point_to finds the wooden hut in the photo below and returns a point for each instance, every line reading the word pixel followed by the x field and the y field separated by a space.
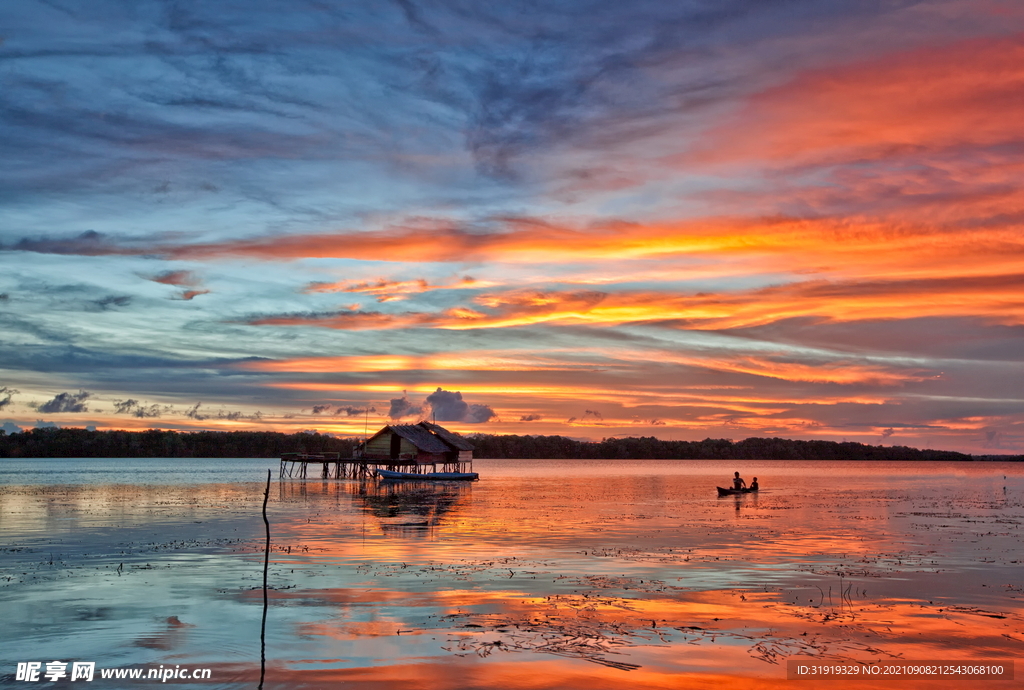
pixel 461 449
pixel 417 445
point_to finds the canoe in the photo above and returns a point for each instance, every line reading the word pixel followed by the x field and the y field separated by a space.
pixel 427 476
pixel 734 492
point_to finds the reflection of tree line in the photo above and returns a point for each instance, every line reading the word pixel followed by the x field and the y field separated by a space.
pixel 156 443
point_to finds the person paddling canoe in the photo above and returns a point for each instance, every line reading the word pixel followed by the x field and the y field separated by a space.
pixel 738 483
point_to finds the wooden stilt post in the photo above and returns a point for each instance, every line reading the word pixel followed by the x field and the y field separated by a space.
pixel 266 564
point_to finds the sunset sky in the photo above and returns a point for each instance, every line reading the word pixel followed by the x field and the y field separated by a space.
pixel 714 218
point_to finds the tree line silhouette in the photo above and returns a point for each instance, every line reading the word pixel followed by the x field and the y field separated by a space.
pixel 649 447
pixel 157 443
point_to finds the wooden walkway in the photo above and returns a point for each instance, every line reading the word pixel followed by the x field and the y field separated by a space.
pixel 331 466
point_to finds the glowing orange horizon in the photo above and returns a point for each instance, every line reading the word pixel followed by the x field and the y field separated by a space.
pixel 840 371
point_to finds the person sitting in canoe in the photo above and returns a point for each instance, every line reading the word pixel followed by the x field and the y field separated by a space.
pixel 753 484
pixel 738 483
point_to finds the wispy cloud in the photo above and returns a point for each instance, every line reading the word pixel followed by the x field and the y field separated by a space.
pixel 860 247
pixel 141 410
pixel 350 411
pixel 383 290
pixel 995 298
pixel 588 418
pixel 393 290
pixel 88 243
pixel 180 278
pixel 112 301
pixel 194 413
pixel 466 360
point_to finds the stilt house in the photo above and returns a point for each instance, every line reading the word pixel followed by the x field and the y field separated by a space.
pixel 417 444
pixel 416 448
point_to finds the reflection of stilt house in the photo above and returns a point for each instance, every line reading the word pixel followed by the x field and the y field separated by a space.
pixel 418 448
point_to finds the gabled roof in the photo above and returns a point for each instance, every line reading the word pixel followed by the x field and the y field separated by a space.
pixel 419 437
pixel 451 438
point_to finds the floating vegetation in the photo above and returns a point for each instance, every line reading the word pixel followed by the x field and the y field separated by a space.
pixel 580 637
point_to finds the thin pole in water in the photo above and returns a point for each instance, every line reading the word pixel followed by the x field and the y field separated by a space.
pixel 266 564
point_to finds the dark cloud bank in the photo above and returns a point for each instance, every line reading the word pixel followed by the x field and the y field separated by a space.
pixel 66 402
pixel 442 406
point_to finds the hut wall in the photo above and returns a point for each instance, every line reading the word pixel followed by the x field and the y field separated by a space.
pixel 380 447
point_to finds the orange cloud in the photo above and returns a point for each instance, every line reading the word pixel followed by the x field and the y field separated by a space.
pixel 997 299
pixel 178 278
pixel 859 247
pixel 925 100
pixel 383 290
pixel 753 402
pixel 834 371
pixel 854 246
pixel 518 240
pixel 818 370
pixel 453 361
pixel 394 290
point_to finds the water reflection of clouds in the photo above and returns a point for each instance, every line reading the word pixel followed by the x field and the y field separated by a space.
pixel 524 577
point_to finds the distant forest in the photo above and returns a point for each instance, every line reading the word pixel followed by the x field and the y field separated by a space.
pixel 83 443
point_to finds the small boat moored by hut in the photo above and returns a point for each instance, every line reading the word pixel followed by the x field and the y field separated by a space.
pixel 389 475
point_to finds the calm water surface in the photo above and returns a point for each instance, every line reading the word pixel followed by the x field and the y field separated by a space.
pixel 544 574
